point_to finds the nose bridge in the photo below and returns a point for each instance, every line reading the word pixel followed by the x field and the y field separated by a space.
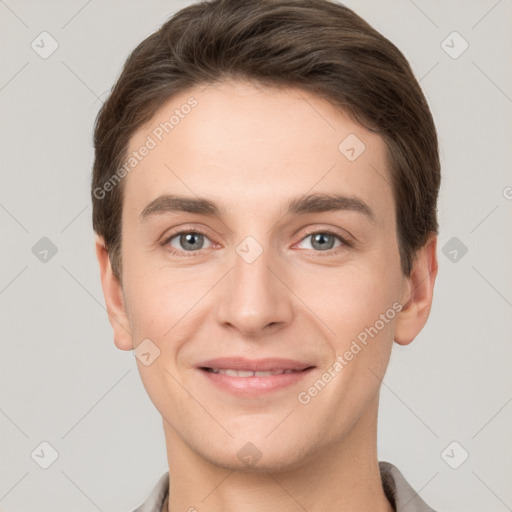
pixel 253 297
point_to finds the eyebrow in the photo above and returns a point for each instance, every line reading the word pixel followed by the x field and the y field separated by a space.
pixel 313 203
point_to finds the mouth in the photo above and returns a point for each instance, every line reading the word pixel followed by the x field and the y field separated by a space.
pixel 246 378
pixel 248 373
pixel 241 364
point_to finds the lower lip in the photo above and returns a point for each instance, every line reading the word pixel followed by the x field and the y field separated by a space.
pixel 251 386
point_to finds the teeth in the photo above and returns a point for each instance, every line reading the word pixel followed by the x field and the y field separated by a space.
pixel 246 373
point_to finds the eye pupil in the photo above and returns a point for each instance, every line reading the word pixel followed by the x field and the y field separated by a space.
pixel 192 240
pixel 319 241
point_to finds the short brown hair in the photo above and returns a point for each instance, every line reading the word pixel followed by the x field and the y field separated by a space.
pixel 318 45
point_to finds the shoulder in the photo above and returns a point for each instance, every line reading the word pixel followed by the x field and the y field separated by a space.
pixel 399 492
pixel 157 497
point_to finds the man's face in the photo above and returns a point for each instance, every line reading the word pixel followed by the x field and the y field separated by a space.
pixel 260 281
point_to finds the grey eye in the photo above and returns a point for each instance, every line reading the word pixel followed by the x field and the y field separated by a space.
pixel 322 241
pixel 188 241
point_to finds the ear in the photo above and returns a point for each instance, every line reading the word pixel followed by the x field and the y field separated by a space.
pixel 417 294
pixel 114 299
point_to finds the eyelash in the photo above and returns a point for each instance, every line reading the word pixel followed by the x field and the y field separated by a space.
pixel 330 252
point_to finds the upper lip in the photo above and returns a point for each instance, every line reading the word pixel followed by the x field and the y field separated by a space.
pixel 254 365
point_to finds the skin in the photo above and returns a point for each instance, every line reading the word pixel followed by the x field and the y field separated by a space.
pixel 252 149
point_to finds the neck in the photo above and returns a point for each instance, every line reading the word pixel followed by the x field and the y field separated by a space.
pixel 343 476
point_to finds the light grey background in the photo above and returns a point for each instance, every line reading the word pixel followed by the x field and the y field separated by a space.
pixel 63 381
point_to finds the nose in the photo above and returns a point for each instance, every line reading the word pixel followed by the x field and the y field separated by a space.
pixel 254 298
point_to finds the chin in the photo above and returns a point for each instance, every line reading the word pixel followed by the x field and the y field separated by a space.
pixel 260 455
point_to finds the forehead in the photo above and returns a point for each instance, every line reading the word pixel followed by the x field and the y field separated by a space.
pixel 251 143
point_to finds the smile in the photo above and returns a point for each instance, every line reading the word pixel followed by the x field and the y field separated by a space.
pixel 254 383
pixel 248 373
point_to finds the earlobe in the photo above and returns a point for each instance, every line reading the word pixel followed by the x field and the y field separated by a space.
pixel 114 300
pixel 418 294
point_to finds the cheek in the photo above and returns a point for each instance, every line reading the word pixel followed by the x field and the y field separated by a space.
pixel 164 303
pixel 360 307
pixel 157 308
pixel 349 299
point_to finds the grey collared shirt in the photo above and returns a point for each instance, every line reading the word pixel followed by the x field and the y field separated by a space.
pixel 398 491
